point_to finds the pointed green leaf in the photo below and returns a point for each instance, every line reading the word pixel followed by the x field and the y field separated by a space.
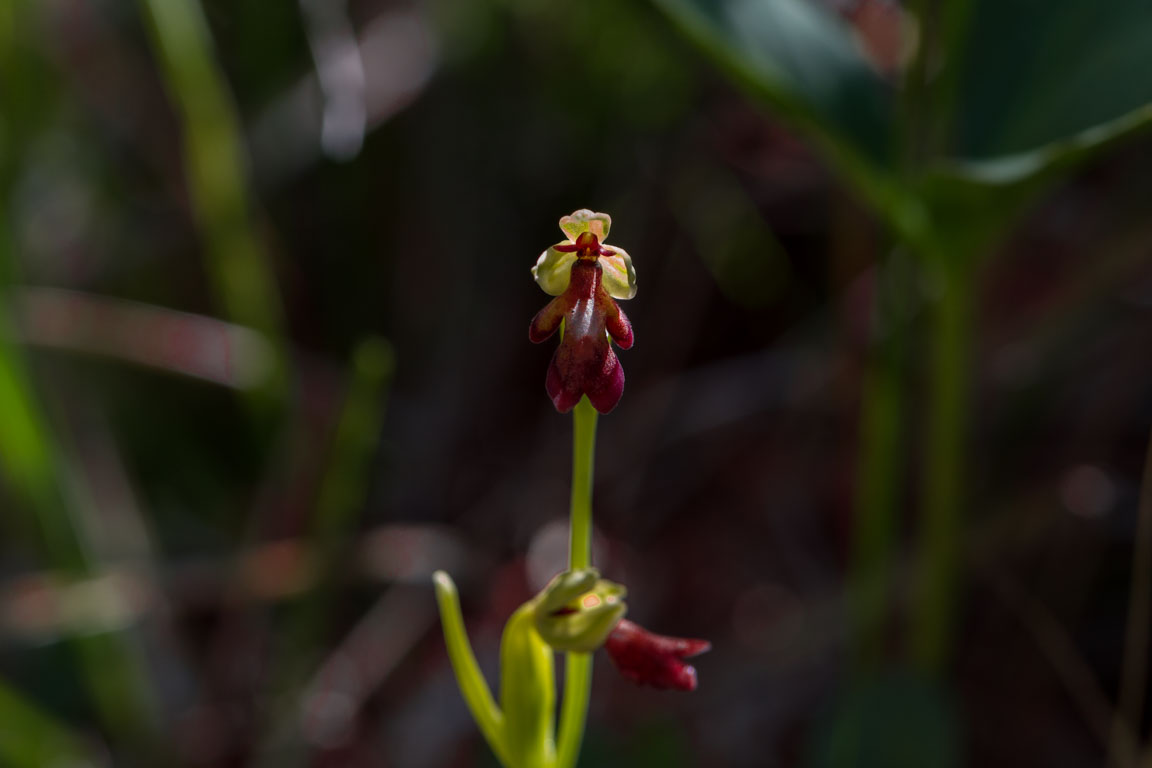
pixel 471 681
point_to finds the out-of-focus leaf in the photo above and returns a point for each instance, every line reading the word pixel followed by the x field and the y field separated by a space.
pixel 974 200
pixel 804 63
pixel 31 738
pixel 1046 85
pixel 1036 72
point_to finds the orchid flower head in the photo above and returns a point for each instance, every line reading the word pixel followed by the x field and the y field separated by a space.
pixel 586 278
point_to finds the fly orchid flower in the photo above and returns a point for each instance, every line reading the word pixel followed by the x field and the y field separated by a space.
pixel 586 278
pixel 577 612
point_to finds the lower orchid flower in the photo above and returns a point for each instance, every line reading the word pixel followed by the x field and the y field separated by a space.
pixel 577 612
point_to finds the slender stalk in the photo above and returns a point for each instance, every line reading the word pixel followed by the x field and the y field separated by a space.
pixel 929 105
pixel 942 499
pixel 578 666
pixel 583 456
pixel 574 708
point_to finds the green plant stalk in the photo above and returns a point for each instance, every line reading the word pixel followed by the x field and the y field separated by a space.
pixel 578 666
pixel 947 255
pixel 943 500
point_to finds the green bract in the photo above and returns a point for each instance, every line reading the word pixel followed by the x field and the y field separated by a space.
pixel 554 267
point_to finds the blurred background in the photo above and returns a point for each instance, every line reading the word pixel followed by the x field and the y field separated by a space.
pixel 264 367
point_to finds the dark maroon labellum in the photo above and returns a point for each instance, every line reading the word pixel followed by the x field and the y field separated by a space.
pixel 584 363
pixel 650 659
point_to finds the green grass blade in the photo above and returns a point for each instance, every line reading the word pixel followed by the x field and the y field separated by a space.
pixel 215 163
pixel 468 675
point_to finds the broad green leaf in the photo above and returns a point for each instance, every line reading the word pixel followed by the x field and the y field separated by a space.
pixel 1045 85
pixel 1036 72
pixel 973 201
pixel 807 65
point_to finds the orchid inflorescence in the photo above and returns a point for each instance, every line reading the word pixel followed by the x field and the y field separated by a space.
pixel 578 611
pixel 586 278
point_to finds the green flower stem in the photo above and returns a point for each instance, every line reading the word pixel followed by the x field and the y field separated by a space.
pixel 574 709
pixel 578 666
pixel 942 500
pixel 472 684
pixel 583 456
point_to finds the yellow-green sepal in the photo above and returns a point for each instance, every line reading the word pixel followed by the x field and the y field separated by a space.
pixel 618 276
pixel 553 270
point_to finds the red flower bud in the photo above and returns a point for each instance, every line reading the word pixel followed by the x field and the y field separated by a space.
pixel 657 660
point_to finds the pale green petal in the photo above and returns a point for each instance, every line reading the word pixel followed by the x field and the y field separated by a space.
pixel 553 269
pixel 619 274
pixel 585 220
